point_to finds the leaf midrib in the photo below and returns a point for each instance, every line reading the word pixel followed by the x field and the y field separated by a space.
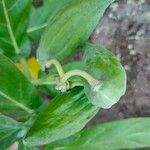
pixel 16 103
pixel 5 127
pixel 36 28
pixel 12 37
pixel 7 135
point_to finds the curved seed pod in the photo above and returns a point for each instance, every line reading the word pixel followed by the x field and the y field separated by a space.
pixel 104 67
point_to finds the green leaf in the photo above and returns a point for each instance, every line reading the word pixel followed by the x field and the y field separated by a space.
pixel 17 94
pixel 65 115
pixel 104 66
pixel 73 65
pixel 10 131
pixel 21 146
pixel 44 13
pixel 14 17
pixel 125 134
pixel 70 28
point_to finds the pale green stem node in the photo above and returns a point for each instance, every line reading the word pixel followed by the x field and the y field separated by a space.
pixel 58 66
pixel 92 81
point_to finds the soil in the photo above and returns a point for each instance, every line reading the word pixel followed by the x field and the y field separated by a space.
pixel 125 30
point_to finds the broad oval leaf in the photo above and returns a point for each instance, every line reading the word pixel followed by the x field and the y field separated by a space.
pixel 104 67
pixel 69 28
pixel 14 17
pixel 17 94
pixel 10 131
pixel 65 115
pixel 124 134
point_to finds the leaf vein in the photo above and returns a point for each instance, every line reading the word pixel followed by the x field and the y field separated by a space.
pixel 16 103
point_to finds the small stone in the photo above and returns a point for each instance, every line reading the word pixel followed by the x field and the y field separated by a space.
pixel 114 6
pixel 132 52
pixel 137 37
pixel 134 13
pixel 148 14
pixel 128 68
pixel 130 2
pixel 97 31
pixel 130 46
pixel 141 32
pixel 119 56
pixel 141 2
pixel 148 55
pixel 111 15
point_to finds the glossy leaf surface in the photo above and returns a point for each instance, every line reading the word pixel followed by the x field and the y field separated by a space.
pixel 104 67
pixel 65 115
pixel 14 17
pixel 40 16
pixel 10 131
pixel 125 134
pixel 69 28
pixel 17 94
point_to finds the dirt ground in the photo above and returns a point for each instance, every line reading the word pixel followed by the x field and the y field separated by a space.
pixel 125 30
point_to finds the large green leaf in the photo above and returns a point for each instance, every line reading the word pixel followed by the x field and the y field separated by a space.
pixel 125 134
pixel 104 66
pixel 65 115
pixel 14 16
pixel 69 28
pixel 40 16
pixel 10 131
pixel 17 94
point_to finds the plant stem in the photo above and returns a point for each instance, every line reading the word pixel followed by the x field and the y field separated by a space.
pixel 25 67
pixel 81 73
pixel 50 80
pixel 40 82
pixel 61 82
pixel 58 66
